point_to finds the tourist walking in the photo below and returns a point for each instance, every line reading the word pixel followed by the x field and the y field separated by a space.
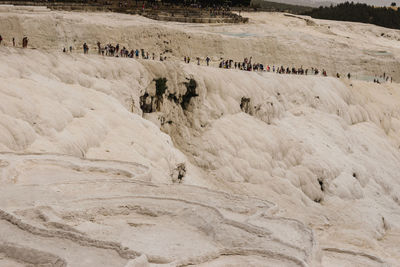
pixel 25 42
pixel 99 47
pixel 85 48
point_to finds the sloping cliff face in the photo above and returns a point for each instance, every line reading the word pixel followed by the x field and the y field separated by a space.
pixel 323 152
pixel 115 161
pixel 313 145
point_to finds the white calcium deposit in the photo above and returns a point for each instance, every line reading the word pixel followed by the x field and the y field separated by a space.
pixel 309 175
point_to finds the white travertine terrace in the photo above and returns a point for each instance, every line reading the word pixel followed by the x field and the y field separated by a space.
pixel 310 178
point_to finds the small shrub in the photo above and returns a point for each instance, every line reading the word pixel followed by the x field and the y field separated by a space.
pixel 191 86
pixel 161 87
pixel 146 107
pixel 321 184
pixel 173 97
pixel 178 173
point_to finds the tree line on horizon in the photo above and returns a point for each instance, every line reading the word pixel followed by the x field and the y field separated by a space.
pixel 270 6
pixel 382 16
pixel 204 3
pixel 209 2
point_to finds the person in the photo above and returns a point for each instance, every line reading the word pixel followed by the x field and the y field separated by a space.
pixel 337 75
pixel 198 61
pixel 25 42
pixel 64 50
pixel 1 39
pixel 85 48
pixel 70 49
pixel 208 61
pixel 349 75
pixel 99 47
pixel 13 40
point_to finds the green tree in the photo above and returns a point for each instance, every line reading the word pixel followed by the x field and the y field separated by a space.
pixel 381 16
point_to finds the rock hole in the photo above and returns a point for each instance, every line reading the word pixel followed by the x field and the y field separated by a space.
pixel 317 200
pixel 321 184
pixel 245 104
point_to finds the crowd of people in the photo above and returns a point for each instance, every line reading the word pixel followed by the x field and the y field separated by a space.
pixel 383 78
pixel 246 65
pixel 24 41
pixel 116 51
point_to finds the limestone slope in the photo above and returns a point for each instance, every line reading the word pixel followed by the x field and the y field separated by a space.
pixel 323 150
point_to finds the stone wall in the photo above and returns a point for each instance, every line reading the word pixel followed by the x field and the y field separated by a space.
pixel 165 14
